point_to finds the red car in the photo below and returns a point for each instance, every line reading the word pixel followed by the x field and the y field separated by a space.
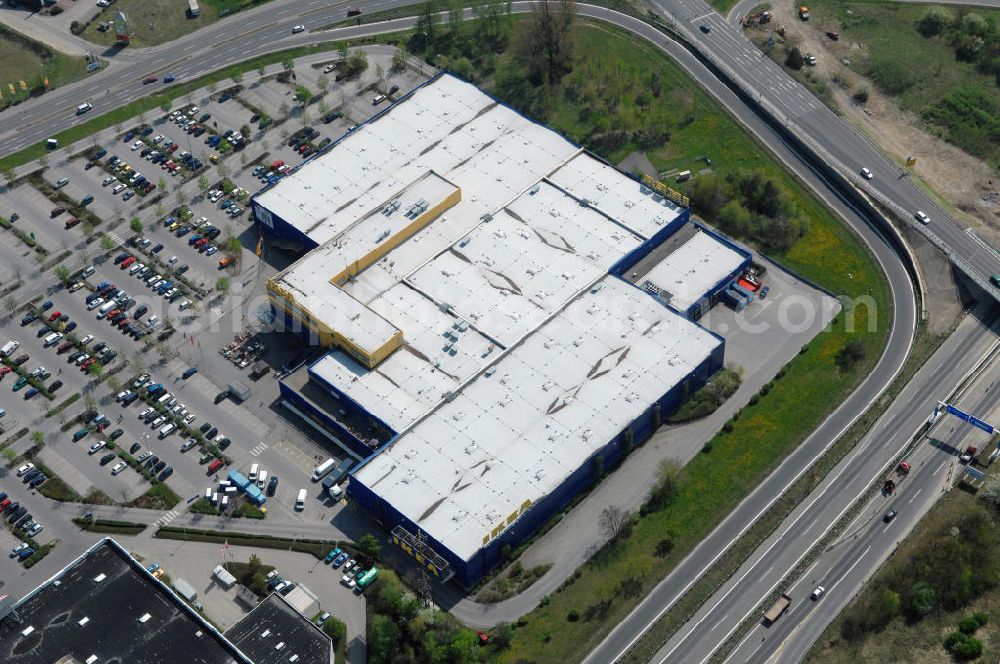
pixel 57 211
pixel 86 363
pixel 149 79
pixel 277 164
pixel 125 263
pixel 64 346
pixel 111 314
pixel 123 322
pixel 72 222
pixel 55 315
pixel 201 243
pixel 303 148
pixel 172 149
pixel 4 371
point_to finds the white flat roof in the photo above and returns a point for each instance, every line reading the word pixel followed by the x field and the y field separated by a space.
pixel 439 352
pixel 617 195
pixel 524 425
pixel 693 269
pixel 448 126
pixel 511 272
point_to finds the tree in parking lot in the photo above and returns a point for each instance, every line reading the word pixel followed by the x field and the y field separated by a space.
pixel 323 81
pixel 203 183
pixel 159 210
pixel 222 169
pixel 368 547
pixel 398 60
pixel 245 131
pixel 89 402
pixel 213 87
pixel 135 225
pixel 62 273
pixel 162 185
pixel 262 70
pixel 10 304
pixel 305 118
pixel 237 77
pixel 234 246
pixel 303 94
pixel 222 284
pixel 38 438
pixel 283 109
pixel 379 74
pixel 107 242
pixel 114 383
pixel 288 64
pixel 323 107
pixel 96 370
pixel 181 198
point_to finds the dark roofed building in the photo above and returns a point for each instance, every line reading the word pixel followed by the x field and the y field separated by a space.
pixel 274 622
pixel 104 607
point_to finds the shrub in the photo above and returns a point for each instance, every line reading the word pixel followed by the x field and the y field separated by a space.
pixel 981 617
pixel 923 598
pixel 55 11
pixel 934 21
pixel 861 96
pixel 795 60
pixel 968 626
pixel 573 615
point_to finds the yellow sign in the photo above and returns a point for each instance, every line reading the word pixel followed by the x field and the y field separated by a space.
pixel 10 86
pixel 665 191
pixel 24 86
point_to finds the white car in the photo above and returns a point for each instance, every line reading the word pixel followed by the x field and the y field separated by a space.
pixel 922 218
pixel 24 469
pixel 140 381
pixel 144 412
pixel 108 180
pixel 137 145
pixel 866 174
pixel 103 3
pixel 120 187
pixel 816 594
pixel 298 28
pixel 97 447
pixel 348 581
pixel 189 419
pixel 172 260
pixel 118 467
pixel 145 454
pixel 157 138
pixel 35 529
pixel 86 340
pixel 214 198
pixel 96 303
pixel 188 444
pixel 18 549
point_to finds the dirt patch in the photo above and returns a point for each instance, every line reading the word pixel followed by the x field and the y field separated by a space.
pixel 962 180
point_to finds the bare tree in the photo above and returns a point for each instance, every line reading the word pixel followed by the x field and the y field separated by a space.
pixel 544 45
pixel 615 522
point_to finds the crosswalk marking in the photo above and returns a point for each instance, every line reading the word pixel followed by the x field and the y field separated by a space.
pixel 259 449
pixel 166 518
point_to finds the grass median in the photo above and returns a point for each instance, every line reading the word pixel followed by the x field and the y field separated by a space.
pixel 318 548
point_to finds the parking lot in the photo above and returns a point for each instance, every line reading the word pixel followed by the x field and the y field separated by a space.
pixel 261 130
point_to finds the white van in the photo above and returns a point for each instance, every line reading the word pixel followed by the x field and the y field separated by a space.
pixel 254 470
pixel 53 339
pixel 262 479
pixel 167 429
pixel 300 502
pixel 87 271
pixel 83 108
pixel 105 308
pixel 9 348
pixel 323 469
pixel 165 397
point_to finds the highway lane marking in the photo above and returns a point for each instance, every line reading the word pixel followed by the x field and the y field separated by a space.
pixel 721 620
pixel 938 470
pixel 887 526
pixel 851 568
pixel 703 16
pixel 914 496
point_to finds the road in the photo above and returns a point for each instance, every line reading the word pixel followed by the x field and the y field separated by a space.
pixel 838 141
pixel 203 52
pixel 845 566
pixel 808 523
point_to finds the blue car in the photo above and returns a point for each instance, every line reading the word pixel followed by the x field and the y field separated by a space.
pixel 339 560
pixel 147 131
pixel 155 387
pixel 169 220
pixel 71 326
pixel 24 554
pixel 169 78
pixel 46 305
pixel 128 137
pixel 190 372
pixel 193 239
pixel 30 393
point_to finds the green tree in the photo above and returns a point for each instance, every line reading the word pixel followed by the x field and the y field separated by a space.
pixel 543 44
pixel 107 242
pixel 10 304
pixel 369 546
pixel 96 370
pixel 62 273
pixel 336 630
pixel 923 598
pixel 8 173
pixel 161 185
pixel 165 106
pixel 795 60
pixel 89 402
pixel 234 246
pixel 113 383
pixel 288 64
pixel 384 640
pixel 425 30
pixel 323 81
pixel 303 94
pixel 262 70
pixel 398 60
pixel 222 284
pixel 38 438
pixel 203 183
pixel 135 225
pixel 245 131
pixel 852 352
pixel 237 78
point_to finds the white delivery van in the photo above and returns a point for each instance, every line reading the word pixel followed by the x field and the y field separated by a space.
pixel 167 429
pixel 53 339
pixel 83 108
pixel 164 398
pixel 105 308
pixel 262 479
pixel 300 501
pixel 254 469
pixel 9 348
pixel 323 469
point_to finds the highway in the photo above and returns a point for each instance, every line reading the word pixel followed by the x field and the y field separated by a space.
pixel 840 142
pixel 852 478
pixel 845 566
pixel 267 29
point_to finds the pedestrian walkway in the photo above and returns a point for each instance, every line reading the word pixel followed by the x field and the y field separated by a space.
pixel 166 518
pixel 258 449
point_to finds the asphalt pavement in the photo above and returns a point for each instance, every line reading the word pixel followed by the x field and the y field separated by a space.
pixel 852 478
